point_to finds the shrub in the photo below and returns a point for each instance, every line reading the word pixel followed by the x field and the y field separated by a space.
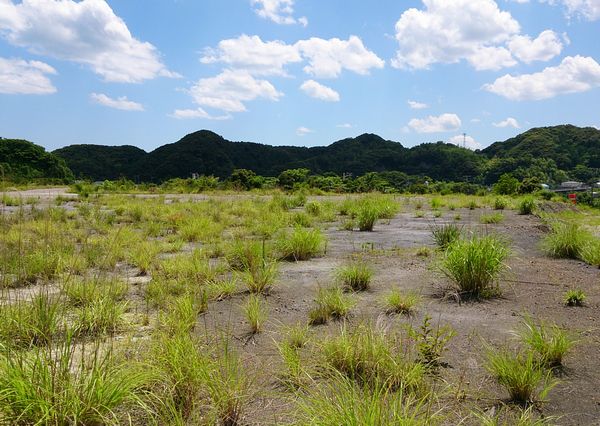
pixel 549 342
pixel 520 374
pixel 397 302
pixel 302 244
pixel 256 312
pixel 445 235
pixel 574 298
pixel 355 276
pixel 526 205
pixel 431 342
pixel 474 264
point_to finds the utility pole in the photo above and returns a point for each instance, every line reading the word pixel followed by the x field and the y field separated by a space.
pixel 464 140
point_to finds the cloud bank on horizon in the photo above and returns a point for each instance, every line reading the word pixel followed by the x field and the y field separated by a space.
pixel 290 71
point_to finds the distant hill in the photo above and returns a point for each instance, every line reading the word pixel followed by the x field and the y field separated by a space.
pixel 207 153
pixel 21 160
pixel 100 162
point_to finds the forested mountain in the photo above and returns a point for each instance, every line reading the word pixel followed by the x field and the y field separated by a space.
pixel 100 162
pixel 21 160
pixel 547 154
pixel 205 152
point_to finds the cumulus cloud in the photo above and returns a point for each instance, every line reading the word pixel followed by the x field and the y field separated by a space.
pixel 545 47
pixel 21 77
pixel 86 32
pixel 278 11
pixel 509 122
pixel 185 114
pixel 229 90
pixel 319 91
pixel 574 74
pixel 475 31
pixel 434 124
pixel 465 141
pixel 303 131
pixel 586 9
pixel 254 55
pixel 417 105
pixel 327 58
pixel 121 103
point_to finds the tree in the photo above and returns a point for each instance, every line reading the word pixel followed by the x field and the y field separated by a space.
pixel 507 185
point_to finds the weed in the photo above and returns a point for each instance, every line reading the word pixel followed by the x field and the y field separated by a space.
pixel 296 336
pixel 256 312
pixel 500 203
pixel 549 342
pixel 355 276
pixel 474 264
pixel 101 316
pixel 367 216
pixel 330 303
pixel 431 342
pixel 397 302
pixel 261 278
pixel 222 289
pixel 566 240
pixel 574 297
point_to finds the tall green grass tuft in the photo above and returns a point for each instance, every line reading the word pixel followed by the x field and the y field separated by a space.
pixel 301 244
pixel 331 303
pixel 256 311
pixel 474 265
pixel 566 240
pixel 520 373
pixel 355 276
pixel 526 206
pixel 398 302
pixel 549 342
pixel 446 234
pixel 54 387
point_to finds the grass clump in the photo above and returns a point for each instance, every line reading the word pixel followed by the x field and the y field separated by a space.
pixel 500 203
pixel 520 374
pixel 355 276
pixel 445 235
pixel 256 311
pixel 296 336
pixel 526 206
pixel 474 265
pixel 261 278
pixel 51 387
pixel 398 302
pixel 491 218
pixel 366 217
pixel 102 316
pixel 574 297
pixel 549 342
pixel 566 240
pixel 301 244
pixel 331 303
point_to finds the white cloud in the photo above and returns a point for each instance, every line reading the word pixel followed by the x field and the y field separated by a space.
pixel 319 91
pixel 18 76
pixel 121 103
pixel 303 131
pixel 344 126
pixel 86 32
pixel 434 124
pixel 509 122
pixel 417 105
pixel 229 90
pixel 184 114
pixel 327 58
pixel 491 58
pixel 574 74
pixel 545 47
pixel 252 54
pixel 449 31
pixel 586 9
pixel 466 142
pixel 278 11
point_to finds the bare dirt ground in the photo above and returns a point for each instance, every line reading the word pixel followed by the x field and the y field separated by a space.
pixel 534 285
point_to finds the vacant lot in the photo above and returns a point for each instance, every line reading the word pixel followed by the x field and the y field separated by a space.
pixel 285 309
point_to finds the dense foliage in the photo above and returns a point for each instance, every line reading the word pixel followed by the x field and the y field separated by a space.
pixel 23 161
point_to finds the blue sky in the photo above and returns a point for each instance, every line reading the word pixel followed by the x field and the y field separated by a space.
pixel 295 72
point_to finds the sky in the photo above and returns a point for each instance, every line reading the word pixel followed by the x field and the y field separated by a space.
pixel 295 72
